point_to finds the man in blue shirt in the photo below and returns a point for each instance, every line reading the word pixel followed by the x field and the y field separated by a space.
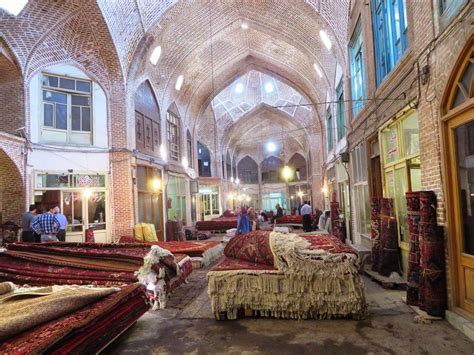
pixel 306 212
pixel 62 224
pixel 47 225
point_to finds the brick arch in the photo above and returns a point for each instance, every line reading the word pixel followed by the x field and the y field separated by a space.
pixel 12 193
pixel 12 93
pixel 298 163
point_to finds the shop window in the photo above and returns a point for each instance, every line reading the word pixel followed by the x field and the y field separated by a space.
pixel 361 189
pixel 67 114
pixel 96 210
pixel 401 165
pixel 329 130
pixel 248 171
pixel 172 121
pixel 147 120
pixel 390 34
pixel 341 129
pixel 177 198
pixel 149 199
pixel 357 70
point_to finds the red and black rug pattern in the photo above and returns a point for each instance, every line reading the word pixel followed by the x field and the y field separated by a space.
pixel 413 275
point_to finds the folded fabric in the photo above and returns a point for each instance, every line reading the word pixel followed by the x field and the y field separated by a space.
pixel 145 232
pixel 22 313
pixel 6 287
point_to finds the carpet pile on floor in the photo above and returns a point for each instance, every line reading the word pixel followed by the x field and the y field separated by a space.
pixel 287 276
pixel 66 319
pixel 217 224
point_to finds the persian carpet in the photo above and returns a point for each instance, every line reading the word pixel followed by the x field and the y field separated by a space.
pixel 413 276
pixel 375 231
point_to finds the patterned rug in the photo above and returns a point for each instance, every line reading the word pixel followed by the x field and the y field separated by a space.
pixel 413 275
pixel 87 330
pixel 375 231
pixel 288 276
pixel 217 224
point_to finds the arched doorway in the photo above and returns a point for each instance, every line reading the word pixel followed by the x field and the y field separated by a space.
pixel 12 200
pixel 458 121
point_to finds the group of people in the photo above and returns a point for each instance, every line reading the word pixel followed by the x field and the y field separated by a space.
pixel 49 226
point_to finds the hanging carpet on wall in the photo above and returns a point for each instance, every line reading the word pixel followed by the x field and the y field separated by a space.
pixel 432 290
pixel 375 231
pixel 413 277
pixel 389 256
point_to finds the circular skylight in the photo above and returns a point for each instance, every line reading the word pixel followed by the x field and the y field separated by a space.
pixel 155 55
pixel 244 26
pixel 179 82
pixel 271 147
pixel 239 88
pixel 268 87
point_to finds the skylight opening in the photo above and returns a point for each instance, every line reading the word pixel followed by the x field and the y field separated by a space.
pixel 179 83
pixel 244 26
pixel 318 69
pixel 268 88
pixel 271 147
pixel 239 88
pixel 13 7
pixel 325 38
pixel 155 55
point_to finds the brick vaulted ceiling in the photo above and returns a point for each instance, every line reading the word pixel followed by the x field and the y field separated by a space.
pixel 282 38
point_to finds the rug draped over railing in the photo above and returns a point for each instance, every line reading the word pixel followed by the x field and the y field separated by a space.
pixel 413 276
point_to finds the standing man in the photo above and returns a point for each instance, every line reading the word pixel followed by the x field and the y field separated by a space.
pixel 278 214
pixel 28 234
pixel 306 211
pixel 47 225
pixel 62 224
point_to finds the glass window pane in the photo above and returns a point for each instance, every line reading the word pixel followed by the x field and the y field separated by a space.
pixel 86 119
pixel 465 170
pixel 52 96
pixel 148 218
pixel 411 134
pixel 83 86
pixel 467 77
pixel 390 139
pixel 68 84
pixel 50 81
pixel 141 207
pixel 78 218
pixel 80 100
pixel 48 115
pixel 96 209
pixel 156 214
pixel 401 188
pixel 141 178
pixel 76 118
pixel 61 116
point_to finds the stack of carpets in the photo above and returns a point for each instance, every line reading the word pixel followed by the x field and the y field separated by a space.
pixel 201 252
pixel 375 231
pixel 64 320
pixel 432 289
pixel 337 224
pixel 292 219
pixel 95 264
pixel 217 224
pixel 413 275
pixel 389 258
pixel 175 230
pixel 287 276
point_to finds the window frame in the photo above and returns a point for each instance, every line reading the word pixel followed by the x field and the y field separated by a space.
pixel 173 138
pixel 329 130
pixel 385 35
pixel 189 142
pixel 341 117
pixel 356 55
pixel 69 107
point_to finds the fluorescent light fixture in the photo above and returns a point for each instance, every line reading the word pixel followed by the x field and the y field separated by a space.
pixel 13 7
pixel 271 147
pixel 163 153
pixel 155 55
pixel 244 25
pixel 325 38
pixel 239 88
pixel 318 69
pixel 268 88
pixel 179 83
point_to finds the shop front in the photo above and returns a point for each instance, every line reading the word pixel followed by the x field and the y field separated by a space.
pixel 209 201
pixel 401 170
pixel 82 198
pixel 176 194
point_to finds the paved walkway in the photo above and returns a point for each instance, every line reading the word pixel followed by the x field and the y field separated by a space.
pixel 187 326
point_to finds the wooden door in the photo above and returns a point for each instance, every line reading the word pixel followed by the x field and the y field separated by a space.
pixel 460 190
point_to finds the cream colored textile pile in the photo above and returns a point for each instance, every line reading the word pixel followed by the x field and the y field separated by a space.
pixel 306 284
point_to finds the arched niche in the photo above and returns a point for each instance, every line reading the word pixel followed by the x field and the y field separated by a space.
pixel 204 160
pixel 271 170
pixel 298 164
pixel 248 171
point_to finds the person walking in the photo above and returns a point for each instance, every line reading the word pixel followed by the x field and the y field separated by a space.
pixel 62 224
pixel 28 234
pixel 306 211
pixel 243 222
pixel 47 225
